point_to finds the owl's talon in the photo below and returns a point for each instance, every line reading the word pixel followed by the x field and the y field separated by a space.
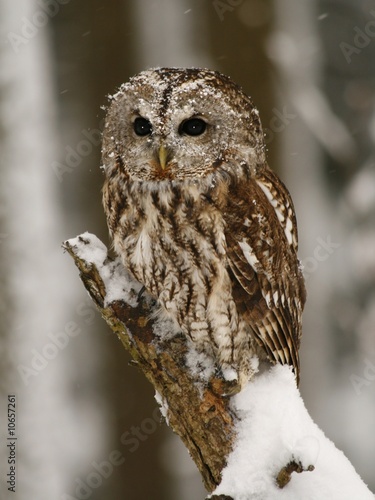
pixel 140 293
pixel 224 388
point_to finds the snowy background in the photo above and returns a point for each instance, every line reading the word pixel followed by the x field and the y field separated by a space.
pixel 87 422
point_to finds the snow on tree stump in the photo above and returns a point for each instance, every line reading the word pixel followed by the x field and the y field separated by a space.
pixel 258 444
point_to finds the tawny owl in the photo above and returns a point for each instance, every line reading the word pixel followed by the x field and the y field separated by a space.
pixel 200 220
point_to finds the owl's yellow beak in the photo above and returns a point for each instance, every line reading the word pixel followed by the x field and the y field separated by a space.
pixel 163 154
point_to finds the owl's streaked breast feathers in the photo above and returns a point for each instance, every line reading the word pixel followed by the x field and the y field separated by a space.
pixel 200 220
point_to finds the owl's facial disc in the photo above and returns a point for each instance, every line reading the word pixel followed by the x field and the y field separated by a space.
pixel 180 125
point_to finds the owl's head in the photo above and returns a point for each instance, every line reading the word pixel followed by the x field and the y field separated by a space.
pixel 178 124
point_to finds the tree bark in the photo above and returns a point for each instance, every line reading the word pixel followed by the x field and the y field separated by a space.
pixel 199 415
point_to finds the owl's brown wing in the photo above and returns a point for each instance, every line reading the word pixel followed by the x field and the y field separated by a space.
pixel 268 286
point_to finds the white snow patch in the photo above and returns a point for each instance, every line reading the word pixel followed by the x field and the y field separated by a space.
pixel 118 283
pixel 163 405
pixel 164 326
pixel 275 428
pixel 229 374
pixel 88 247
pixel 200 364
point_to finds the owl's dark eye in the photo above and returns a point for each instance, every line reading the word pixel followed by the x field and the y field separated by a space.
pixel 142 126
pixel 194 126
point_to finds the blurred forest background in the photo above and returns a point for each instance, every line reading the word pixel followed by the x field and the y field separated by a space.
pixel 87 423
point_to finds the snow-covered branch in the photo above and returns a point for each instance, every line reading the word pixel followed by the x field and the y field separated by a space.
pixel 259 444
pixel 201 417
